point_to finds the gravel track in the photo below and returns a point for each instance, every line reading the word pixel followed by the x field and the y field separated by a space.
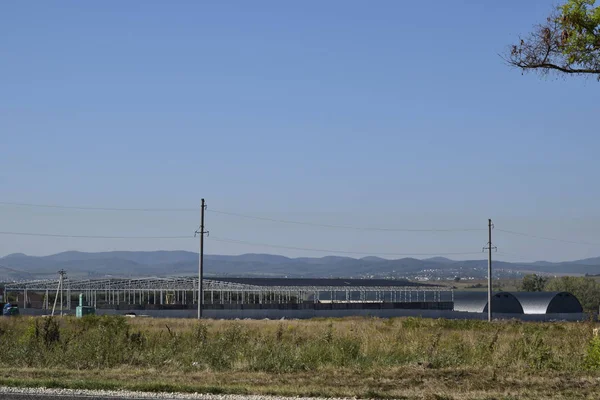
pixel 10 393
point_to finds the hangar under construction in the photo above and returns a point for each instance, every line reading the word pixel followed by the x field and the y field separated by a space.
pixel 227 297
pixel 182 292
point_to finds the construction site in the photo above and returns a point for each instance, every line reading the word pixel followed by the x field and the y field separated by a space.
pixel 220 293
pixel 274 298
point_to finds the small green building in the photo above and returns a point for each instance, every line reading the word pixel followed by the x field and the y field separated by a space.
pixel 82 310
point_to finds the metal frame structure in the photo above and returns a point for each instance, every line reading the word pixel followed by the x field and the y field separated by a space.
pixel 184 291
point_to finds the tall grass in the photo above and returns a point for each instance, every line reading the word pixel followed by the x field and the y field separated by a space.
pixel 289 346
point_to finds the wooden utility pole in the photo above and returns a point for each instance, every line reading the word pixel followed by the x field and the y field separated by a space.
pixel 201 232
pixel 489 248
pixel 490 270
pixel 59 289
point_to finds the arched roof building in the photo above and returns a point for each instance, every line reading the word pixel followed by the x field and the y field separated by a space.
pixel 502 302
pixel 548 302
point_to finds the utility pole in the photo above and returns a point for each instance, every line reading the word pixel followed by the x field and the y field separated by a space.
pixel 489 248
pixel 62 273
pixel 201 232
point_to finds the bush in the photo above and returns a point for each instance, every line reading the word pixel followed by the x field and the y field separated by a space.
pixel 586 289
pixel 592 359
pixel 533 283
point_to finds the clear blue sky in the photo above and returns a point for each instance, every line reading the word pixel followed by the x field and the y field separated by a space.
pixel 388 114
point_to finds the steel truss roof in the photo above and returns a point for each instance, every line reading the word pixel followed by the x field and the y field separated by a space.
pixel 190 284
pixel 175 283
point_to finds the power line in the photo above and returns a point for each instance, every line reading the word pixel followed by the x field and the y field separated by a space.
pixel 34 273
pixel 517 256
pixel 92 236
pixel 216 239
pixel 15 270
pixel 95 208
pixel 358 228
pixel 547 238
pixel 239 215
pixel 224 240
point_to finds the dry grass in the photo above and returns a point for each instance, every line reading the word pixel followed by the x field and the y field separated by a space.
pixel 364 357
pixel 398 382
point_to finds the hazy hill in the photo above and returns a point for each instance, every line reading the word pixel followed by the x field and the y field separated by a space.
pixel 373 259
pixel 588 261
pixel 440 260
pixel 164 263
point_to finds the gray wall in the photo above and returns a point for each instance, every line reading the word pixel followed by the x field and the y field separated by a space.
pixel 304 314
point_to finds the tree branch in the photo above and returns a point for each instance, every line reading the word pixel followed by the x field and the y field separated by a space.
pixel 559 68
pixel 557 46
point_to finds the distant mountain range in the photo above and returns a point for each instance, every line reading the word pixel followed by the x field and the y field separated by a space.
pixel 166 263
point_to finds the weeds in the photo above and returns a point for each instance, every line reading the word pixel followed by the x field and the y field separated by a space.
pixel 592 359
pixel 290 346
pixel 535 352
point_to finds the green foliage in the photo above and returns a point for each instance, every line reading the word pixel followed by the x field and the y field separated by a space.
pixel 533 283
pixel 569 42
pixel 592 359
pixel 586 289
pixel 580 39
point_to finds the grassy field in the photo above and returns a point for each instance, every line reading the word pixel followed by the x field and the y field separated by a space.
pixel 363 357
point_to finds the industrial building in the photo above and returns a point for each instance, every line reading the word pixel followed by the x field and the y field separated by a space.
pixel 220 293
pixel 477 302
pixel 230 297
pixel 548 302
pixel 518 302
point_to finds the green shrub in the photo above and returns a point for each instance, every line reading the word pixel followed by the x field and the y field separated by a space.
pixel 592 358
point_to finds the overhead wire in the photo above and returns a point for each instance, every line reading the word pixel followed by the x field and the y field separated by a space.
pixel 259 218
pixel 227 240
pixel 246 216
pixel 32 273
pixel 92 236
pixel 547 238
pixel 15 270
pixel 517 256
pixel 358 228
pixel 217 239
pixel 95 208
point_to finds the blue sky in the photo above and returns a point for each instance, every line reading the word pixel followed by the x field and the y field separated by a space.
pixel 389 114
